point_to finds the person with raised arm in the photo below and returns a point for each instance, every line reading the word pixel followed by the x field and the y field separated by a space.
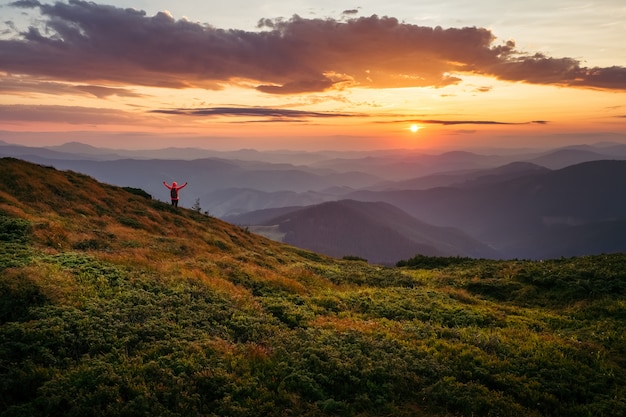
pixel 174 191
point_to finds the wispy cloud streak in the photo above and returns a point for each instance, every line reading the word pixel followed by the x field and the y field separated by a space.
pixel 474 122
pixel 299 115
pixel 25 85
pixel 85 42
pixel 252 112
pixel 452 122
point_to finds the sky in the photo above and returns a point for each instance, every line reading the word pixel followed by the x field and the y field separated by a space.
pixel 313 74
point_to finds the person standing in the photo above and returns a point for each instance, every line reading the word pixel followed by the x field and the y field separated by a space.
pixel 174 191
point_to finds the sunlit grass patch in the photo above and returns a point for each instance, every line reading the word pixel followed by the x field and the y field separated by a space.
pixel 342 324
pixel 52 233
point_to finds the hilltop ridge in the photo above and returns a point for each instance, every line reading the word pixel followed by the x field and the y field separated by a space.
pixel 115 304
pixel 72 211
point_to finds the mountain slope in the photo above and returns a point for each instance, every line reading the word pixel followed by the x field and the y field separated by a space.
pixel 113 304
pixel 206 176
pixel 73 210
pixel 228 203
pixel 463 178
pixel 565 157
pixel 377 232
pixel 399 166
pixel 506 214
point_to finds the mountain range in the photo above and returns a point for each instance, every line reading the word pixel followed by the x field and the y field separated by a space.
pixel 530 204
pixel 523 217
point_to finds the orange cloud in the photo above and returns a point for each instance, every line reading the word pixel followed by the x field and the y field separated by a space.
pixel 84 42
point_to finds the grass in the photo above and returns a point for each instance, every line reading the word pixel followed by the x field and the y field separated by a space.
pixel 174 313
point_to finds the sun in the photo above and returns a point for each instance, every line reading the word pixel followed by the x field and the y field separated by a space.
pixel 414 128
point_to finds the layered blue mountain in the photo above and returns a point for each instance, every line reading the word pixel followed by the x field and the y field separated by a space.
pixel 575 210
pixel 377 231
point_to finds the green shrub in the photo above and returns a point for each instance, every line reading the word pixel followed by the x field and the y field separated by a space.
pixel 432 262
pixel 14 230
pixel 95 244
pixel 130 222
pixel 353 258
pixel 17 295
pixel 139 192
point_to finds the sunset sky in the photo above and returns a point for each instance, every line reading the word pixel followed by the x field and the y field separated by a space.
pixel 313 74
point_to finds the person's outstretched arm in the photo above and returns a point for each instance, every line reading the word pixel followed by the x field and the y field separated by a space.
pixel 168 186
pixel 182 186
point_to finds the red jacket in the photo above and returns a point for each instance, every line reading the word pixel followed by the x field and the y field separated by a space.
pixel 174 189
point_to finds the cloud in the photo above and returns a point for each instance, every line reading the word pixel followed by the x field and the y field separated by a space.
pixel 28 85
pixel 85 42
pixel 103 92
pixel 272 114
pixel 276 114
pixel 444 122
pixel 464 122
pixel 72 115
pixel 350 12
pixel 26 4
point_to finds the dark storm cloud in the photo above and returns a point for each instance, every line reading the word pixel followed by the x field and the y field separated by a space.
pixel 85 42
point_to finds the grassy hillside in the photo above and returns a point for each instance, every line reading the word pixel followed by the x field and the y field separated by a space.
pixel 112 304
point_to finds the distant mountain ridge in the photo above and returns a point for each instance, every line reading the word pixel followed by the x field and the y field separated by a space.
pixel 514 203
pixel 562 158
pixel 374 170
pixel 472 177
pixel 525 209
pixel 378 232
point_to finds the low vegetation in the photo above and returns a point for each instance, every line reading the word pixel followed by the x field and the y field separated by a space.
pixel 112 304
